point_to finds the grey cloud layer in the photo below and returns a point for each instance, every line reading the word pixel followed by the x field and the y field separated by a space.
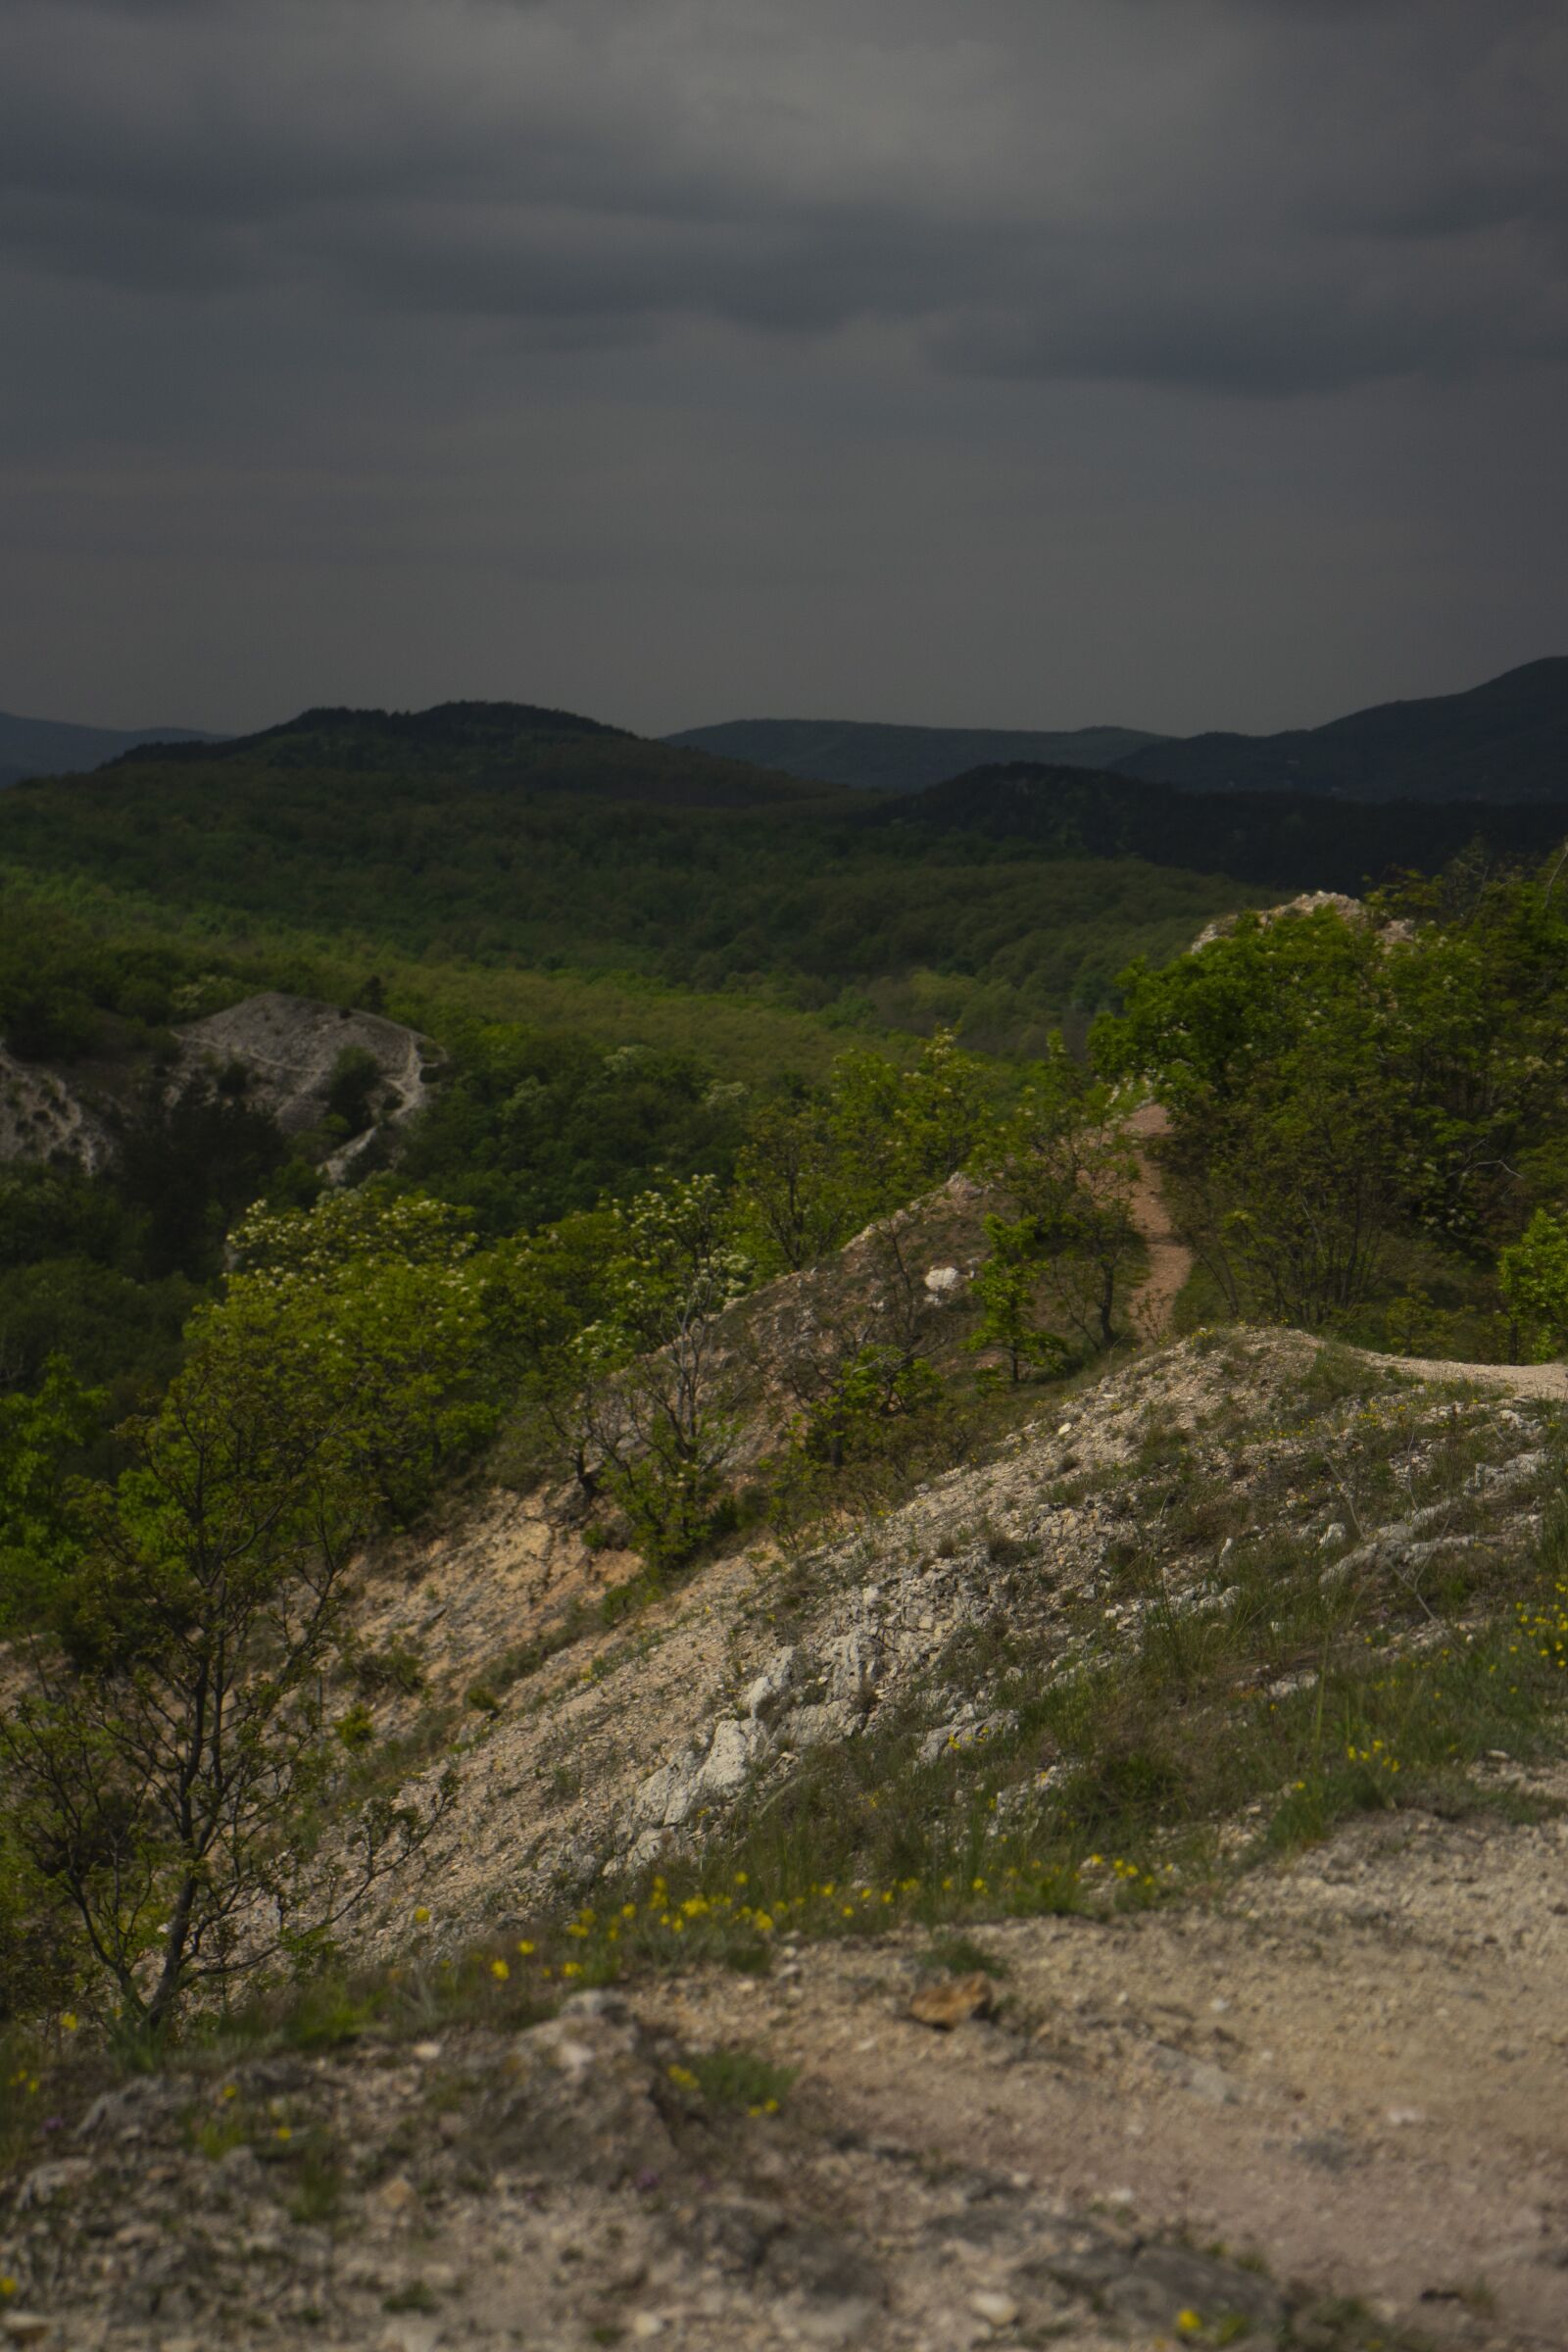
pixel 1185 362
pixel 1260 196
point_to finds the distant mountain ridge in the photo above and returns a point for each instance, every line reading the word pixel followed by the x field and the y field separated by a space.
pixel 503 832
pixel 867 756
pixel 57 747
pixel 1506 739
pixel 343 736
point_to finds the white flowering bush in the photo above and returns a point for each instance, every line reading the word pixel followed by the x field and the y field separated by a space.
pixel 369 1227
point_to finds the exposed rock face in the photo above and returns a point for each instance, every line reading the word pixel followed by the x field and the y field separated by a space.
pixel 42 1117
pixel 1330 2062
pixel 616 1753
pixel 291 1045
pixel 1307 902
pixel 712 1770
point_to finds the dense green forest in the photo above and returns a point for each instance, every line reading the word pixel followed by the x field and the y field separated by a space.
pixel 103 1268
pixel 1279 840
pixel 493 835
pixel 628 954
pixel 499 848
pixel 1369 1117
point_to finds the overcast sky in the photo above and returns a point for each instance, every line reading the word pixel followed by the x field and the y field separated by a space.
pixel 1177 362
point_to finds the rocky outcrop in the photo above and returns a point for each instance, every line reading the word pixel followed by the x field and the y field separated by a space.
pixel 1044 2128
pixel 291 1047
pixel 621 1752
pixel 1307 902
pixel 43 1117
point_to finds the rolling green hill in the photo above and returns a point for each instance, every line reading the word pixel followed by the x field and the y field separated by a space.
pixel 501 747
pixel 500 836
pixel 507 838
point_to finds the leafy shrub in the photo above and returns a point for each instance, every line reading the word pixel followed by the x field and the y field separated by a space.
pixel 1535 1284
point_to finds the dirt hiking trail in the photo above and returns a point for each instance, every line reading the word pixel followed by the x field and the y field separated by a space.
pixel 1170 1262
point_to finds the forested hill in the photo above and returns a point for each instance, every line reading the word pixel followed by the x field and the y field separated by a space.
pixel 1298 841
pixel 490 745
pixel 1505 741
pixel 588 851
pixel 503 834
pixel 889 758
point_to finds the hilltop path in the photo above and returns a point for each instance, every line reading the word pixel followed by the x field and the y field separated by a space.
pixel 1170 1262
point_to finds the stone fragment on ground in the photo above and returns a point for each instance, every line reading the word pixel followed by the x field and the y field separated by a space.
pixel 949 2001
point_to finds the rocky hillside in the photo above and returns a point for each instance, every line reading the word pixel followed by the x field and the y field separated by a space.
pixel 1114 1896
pixel 291 1047
pixel 1165 1494
pixel 44 1116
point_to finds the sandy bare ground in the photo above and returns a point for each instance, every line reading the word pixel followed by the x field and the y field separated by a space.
pixel 1351 2070
pixel 1519 1380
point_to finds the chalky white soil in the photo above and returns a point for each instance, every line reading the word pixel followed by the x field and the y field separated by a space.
pixel 1350 2073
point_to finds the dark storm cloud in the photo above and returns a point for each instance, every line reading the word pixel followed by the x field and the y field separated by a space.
pixel 1253 195
pixel 1182 362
